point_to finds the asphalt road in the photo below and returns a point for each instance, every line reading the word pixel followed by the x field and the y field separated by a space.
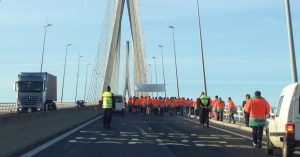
pixel 152 136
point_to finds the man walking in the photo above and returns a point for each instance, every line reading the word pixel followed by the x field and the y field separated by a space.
pixel 231 109
pixel 246 103
pixel 258 110
pixel 107 103
pixel 220 109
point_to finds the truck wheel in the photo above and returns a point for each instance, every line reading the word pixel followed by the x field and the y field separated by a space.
pixel 287 151
pixel 270 147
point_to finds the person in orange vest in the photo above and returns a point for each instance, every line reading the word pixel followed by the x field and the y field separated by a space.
pixel 143 102
pixel 189 106
pixel 133 104
pixel 155 106
pixel 181 106
pixel 173 106
pixel 258 110
pixel 214 106
pixel 168 105
pixel 220 109
pixel 195 107
pixel 136 104
pixel 231 110
pixel 130 104
pixel 162 106
pixel 177 103
pixel 148 105
pixel 246 103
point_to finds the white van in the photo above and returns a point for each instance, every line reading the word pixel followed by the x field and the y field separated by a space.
pixel 283 130
pixel 119 105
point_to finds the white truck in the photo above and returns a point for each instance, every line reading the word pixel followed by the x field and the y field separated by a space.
pixel 36 91
pixel 283 129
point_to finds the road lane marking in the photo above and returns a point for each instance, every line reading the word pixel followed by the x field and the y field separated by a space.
pixel 173 144
pixel 59 138
pixel 233 133
pixel 227 131
pixel 90 132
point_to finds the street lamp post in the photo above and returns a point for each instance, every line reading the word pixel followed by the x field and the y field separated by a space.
pixel 150 75
pixel 154 59
pixel 86 76
pixel 163 67
pixel 45 32
pixel 172 27
pixel 202 53
pixel 291 42
pixel 77 76
pixel 62 89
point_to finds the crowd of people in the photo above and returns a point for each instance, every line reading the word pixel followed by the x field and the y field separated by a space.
pixel 255 109
pixel 174 106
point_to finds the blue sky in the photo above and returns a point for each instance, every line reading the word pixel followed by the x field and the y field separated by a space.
pixel 245 43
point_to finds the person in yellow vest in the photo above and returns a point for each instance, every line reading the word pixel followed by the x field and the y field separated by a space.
pixel 107 103
pixel 204 102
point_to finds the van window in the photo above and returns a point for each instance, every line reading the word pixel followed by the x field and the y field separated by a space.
pixel 279 106
pixel 119 99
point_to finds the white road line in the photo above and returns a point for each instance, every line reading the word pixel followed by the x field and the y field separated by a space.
pixel 233 133
pixel 53 141
pixel 227 131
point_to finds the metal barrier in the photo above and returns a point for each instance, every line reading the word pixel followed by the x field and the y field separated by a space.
pixel 11 107
pixel 239 116
pixel 8 107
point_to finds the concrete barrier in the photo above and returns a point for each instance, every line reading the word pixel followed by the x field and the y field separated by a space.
pixel 20 131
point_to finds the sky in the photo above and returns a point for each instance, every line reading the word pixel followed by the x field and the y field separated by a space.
pixel 245 44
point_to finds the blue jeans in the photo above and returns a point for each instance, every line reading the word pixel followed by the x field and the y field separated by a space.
pixel 257 133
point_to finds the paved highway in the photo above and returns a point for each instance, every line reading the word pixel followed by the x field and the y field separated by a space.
pixel 150 136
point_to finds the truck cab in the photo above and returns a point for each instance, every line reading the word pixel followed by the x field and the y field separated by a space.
pixel 35 92
pixel 283 129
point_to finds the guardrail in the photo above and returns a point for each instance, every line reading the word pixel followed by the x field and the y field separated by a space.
pixel 8 107
pixel 11 107
pixel 239 116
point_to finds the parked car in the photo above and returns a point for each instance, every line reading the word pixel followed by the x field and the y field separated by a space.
pixel 283 130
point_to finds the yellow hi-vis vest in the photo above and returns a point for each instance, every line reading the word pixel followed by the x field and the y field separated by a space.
pixel 107 100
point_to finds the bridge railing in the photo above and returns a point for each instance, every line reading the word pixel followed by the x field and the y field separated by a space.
pixel 11 107
pixel 8 107
pixel 240 117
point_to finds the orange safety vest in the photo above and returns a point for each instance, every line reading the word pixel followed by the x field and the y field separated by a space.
pixel 258 109
pixel 130 101
pixel 162 103
pixel 247 105
pixel 168 102
pixel 220 106
pixel 231 108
